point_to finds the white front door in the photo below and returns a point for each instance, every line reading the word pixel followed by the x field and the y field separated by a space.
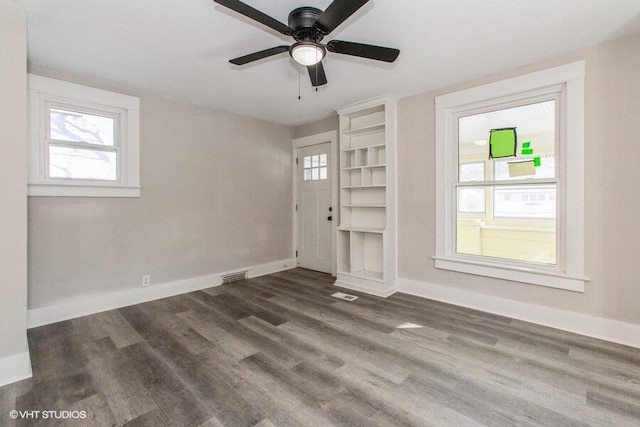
pixel 314 207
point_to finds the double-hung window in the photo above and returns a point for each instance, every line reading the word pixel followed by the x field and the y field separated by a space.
pixel 83 141
pixel 517 215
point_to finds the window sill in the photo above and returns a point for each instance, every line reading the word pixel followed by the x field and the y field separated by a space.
pixel 532 276
pixel 57 190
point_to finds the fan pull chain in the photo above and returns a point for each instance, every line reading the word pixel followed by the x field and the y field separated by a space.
pixel 299 97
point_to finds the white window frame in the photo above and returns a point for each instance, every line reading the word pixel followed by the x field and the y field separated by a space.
pixel 45 93
pixel 568 273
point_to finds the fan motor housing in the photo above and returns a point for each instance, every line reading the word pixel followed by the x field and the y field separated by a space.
pixel 302 20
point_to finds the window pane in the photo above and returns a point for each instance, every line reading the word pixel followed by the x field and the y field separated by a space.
pixel 471 200
pixel 323 160
pixel 531 201
pixel 307 162
pixel 315 161
pixel 81 127
pixel 315 174
pixel 307 174
pixel 323 173
pixel 535 128
pixel 78 163
pixel 472 172
pixel 529 237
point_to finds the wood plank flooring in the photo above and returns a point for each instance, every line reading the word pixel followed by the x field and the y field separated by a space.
pixel 280 351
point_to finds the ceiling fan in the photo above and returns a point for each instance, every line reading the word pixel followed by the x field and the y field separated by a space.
pixel 308 26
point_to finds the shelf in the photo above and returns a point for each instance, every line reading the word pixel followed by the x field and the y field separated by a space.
pixel 377 127
pixel 374 166
pixel 355 187
pixel 364 206
pixel 347 150
pixel 363 229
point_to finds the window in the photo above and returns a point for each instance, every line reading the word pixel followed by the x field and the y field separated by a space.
pixel 517 217
pixel 315 167
pixel 83 141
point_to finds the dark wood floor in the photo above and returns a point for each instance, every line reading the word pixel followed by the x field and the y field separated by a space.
pixel 279 350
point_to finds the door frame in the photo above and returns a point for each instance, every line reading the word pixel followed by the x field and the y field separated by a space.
pixel 320 138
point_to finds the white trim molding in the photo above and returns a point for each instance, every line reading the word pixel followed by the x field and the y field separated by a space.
pixel 70 310
pixel 566 84
pixel 15 368
pixel 578 323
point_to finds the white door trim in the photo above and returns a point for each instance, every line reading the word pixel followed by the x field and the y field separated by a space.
pixel 320 138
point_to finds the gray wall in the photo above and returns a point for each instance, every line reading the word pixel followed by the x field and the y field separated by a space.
pixel 13 175
pixel 612 150
pixel 216 196
pixel 329 123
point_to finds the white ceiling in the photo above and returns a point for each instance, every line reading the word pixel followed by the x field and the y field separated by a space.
pixel 180 49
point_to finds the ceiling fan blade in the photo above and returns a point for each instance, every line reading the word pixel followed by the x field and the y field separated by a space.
pixel 369 51
pixel 337 13
pixel 256 15
pixel 259 55
pixel 317 75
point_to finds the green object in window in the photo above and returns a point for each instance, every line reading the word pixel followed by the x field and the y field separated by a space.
pixel 537 162
pixel 527 151
pixel 503 143
pixel 526 144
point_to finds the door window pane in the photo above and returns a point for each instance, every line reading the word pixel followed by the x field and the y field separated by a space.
pixel 323 173
pixel 315 167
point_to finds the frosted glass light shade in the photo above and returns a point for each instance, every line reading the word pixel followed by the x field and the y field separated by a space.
pixel 307 53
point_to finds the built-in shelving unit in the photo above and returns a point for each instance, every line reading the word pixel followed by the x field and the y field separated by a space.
pixel 367 242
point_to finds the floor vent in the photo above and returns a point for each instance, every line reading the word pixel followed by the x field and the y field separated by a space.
pixel 234 277
pixel 345 297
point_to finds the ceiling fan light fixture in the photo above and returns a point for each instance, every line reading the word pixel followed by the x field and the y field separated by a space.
pixel 307 53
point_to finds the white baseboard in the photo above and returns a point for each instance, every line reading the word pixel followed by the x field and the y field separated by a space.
pixel 360 284
pixel 69 310
pixel 583 324
pixel 15 368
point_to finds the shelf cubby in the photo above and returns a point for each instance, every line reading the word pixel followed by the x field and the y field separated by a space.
pixel 377 155
pixel 352 177
pixel 348 159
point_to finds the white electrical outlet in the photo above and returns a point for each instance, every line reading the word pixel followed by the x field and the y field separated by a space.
pixel 146 279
